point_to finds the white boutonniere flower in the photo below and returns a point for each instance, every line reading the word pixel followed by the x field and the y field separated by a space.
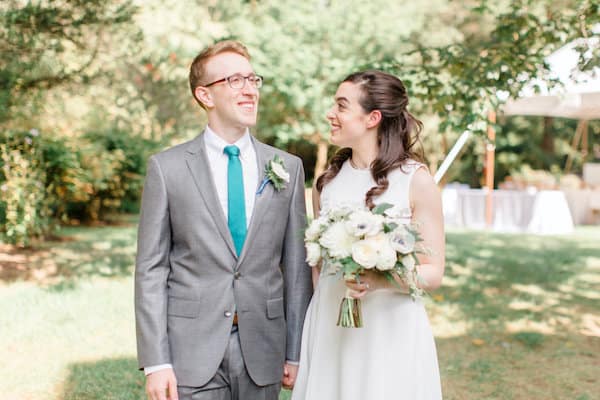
pixel 275 173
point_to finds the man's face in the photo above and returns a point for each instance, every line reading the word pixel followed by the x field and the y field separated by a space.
pixel 230 110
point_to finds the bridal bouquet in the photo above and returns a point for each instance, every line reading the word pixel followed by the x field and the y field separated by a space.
pixel 349 241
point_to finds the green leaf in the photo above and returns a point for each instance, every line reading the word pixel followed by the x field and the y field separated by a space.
pixel 380 208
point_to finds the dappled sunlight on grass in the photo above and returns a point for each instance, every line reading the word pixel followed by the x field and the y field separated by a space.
pixel 101 251
pixel 446 321
pixel 590 325
pixel 532 306
pixel 524 365
pixel 510 322
pixel 524 324
pixel 510 303
pixel 43 331
pixel 500 276
pixel 485 253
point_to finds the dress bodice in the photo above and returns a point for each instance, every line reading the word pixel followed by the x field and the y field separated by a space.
pixel 350 186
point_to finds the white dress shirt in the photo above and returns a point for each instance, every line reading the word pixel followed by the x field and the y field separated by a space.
pixel 218 160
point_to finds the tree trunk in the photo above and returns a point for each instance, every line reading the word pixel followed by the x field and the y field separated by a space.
pixel 548 137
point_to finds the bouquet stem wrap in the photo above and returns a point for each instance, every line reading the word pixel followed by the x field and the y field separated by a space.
pixel 350 312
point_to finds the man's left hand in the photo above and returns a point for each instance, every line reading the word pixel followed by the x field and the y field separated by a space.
pixel 289 375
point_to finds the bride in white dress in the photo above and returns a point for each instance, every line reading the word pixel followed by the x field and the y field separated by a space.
pixel 393 356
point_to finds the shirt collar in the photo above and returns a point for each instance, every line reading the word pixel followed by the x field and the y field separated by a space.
pixel 214 142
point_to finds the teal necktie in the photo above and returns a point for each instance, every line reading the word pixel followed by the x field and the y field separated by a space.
pixel 236 205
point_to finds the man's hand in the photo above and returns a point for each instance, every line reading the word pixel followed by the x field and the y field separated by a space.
pixel 162 385
pixel 289 375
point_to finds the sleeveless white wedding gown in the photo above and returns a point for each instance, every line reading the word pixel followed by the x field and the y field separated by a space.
pixel 393 355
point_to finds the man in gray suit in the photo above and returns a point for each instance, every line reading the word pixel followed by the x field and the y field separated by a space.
pixel 221 285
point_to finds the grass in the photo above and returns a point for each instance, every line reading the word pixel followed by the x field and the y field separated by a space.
pixel 517 317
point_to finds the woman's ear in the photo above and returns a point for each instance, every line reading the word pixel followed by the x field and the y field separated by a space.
pixel 203 95
pixel 374 119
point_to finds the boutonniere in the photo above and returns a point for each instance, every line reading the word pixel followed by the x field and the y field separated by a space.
pixel 275 173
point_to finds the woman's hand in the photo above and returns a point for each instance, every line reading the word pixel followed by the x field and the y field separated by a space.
pixel 368 281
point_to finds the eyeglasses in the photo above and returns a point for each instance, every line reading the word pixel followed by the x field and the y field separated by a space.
pixel 238 81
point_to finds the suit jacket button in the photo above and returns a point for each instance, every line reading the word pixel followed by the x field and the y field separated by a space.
pixel 227 314
pixel 237 275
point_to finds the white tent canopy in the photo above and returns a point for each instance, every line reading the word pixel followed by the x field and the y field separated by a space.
pixel 578 95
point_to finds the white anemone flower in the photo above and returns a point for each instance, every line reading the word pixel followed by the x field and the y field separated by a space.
pixel 402 240
pixel 363 223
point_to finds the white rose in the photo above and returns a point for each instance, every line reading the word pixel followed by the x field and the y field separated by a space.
pixel 387 255
pixel 364 252
pixel 402 240
pixel 313 253
pixel 408 262
pixel 337 240
pixel 364 223
pixel 278 170
pixel 314 230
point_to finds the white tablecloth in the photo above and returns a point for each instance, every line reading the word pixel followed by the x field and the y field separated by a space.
pixel 540 212
pixel 584 205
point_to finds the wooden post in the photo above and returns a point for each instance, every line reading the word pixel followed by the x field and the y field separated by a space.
pixel 579 134
pixel 490 149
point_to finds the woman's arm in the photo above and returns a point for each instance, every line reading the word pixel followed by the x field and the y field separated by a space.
pixel 316 270
pixel 426 203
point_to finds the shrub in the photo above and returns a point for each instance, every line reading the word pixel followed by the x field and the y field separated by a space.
pixel 43 180
pixel 24 203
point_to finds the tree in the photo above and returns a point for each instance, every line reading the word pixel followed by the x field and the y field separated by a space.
pixel 51 43
pixel 304 49
pixel 454 58
pixel 462 80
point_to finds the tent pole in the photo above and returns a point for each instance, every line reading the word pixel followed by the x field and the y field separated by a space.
pixel 490 149
pixel 581 126
pixel 451 156
pixel 584 141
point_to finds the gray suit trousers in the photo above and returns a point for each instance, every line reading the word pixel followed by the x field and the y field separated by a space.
pixel 231 382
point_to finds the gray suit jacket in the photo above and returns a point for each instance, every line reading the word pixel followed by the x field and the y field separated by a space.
pixel 188 279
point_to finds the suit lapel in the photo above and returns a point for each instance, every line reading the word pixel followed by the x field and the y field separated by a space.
pixel 261 201
pixel 198 165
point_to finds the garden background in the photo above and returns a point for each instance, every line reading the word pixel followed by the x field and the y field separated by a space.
pixel 88 89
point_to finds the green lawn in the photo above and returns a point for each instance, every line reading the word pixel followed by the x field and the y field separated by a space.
pixel 518 317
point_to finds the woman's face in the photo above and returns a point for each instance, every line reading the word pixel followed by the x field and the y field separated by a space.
pixel 349 121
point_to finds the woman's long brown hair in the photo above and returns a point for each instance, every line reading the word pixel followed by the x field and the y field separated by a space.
pixel 397 134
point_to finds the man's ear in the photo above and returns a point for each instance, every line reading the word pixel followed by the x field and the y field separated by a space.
pixel 374 119
pixel 203 94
